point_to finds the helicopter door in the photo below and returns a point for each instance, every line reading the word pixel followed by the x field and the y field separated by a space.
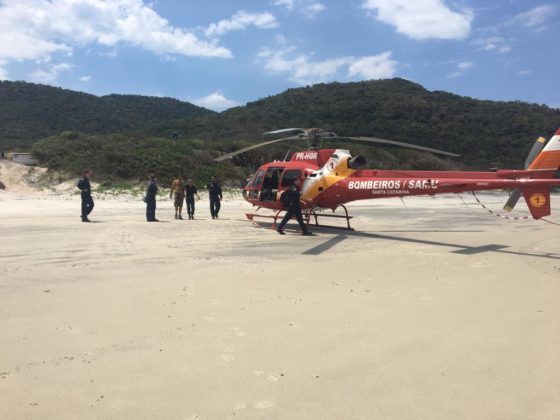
pixel 289 177
pixel 270 184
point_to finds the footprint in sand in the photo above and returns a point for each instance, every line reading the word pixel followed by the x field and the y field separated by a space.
pixel 227 355
pixel 240 406
pixel 238 332
pixel 210 317
pixel 272 378
pixel 228 358
pixel 263 404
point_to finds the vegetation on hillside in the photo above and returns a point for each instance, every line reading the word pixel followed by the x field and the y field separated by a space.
pixel 30 112
pixel 483 132
pixel 127 136
pixel 120 157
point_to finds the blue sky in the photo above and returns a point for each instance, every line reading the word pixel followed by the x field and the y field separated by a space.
pixel 223 53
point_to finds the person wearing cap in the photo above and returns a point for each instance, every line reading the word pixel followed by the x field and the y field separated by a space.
pixel 190 193
pixel 87 200
pixel 215 195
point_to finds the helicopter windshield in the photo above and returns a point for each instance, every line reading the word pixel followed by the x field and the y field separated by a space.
pixel 258 178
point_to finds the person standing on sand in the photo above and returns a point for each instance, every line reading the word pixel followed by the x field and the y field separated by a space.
pixel 294 207
pixel 215 195
pixel 150 199
pixel 177 190
pixel 87 200
pixel 190 193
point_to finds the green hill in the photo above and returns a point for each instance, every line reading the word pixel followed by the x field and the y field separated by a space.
pixel 124 134
pixel 482 132
pixel 30 112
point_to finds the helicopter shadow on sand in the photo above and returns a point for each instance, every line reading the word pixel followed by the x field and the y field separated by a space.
pixel 458 248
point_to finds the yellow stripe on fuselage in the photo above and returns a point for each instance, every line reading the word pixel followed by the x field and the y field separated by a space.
pixel 340 171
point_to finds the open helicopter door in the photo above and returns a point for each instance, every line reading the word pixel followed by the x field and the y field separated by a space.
pixel 264 185
pixel 270 184
pixel 288 178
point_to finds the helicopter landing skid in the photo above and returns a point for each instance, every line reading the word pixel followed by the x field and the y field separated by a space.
pixel 251 217
pixel 307 214
pixel 316 215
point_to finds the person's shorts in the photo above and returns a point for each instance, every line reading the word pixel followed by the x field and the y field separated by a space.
pixel 179 200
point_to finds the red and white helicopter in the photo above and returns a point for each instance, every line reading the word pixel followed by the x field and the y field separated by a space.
pixel 331 178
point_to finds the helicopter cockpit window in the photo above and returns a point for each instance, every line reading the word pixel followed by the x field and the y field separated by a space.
pixel 258 178
pixel 290 176
pixel 270 184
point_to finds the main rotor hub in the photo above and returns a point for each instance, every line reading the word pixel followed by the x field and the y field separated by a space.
pixel 315 136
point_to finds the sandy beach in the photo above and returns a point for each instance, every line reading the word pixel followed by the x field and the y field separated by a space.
pixel 431 309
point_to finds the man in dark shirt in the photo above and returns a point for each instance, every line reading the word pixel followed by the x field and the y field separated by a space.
pixel 294 208
pixel 190 193
pixel 87 200
pixel 151 199
pixel 215 195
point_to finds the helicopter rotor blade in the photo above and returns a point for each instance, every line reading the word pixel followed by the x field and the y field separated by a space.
pixel 535 150
pixel 513 199
pixel 285 130
pixel 396 143
pixel 254 146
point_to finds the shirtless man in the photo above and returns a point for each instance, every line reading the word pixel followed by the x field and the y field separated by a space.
pixel 178 190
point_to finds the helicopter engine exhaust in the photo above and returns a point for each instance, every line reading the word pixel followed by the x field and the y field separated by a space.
pixel 356 162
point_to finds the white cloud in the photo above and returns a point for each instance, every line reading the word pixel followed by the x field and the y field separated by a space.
pixel 288 4
pixel 495 43
pixel 85 78
pixel 50 73
pixel 461 68
pixel 215 101
pixel 300 69
pixel 308 8
pixel 240 21
pixel 305 70
pixel 39 29
pixel 374 67
pixel 465 65
pixel 3 71
pixel 312 10
pixel 524 72
pixel 422 19
pixel 536 17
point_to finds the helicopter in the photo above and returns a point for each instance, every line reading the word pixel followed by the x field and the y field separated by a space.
pixel 331 178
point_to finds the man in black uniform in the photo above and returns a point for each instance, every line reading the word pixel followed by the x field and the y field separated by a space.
pixel 190 192
pixel 151 199
pixel 294 207
pixel 87 200
pixel 215 194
